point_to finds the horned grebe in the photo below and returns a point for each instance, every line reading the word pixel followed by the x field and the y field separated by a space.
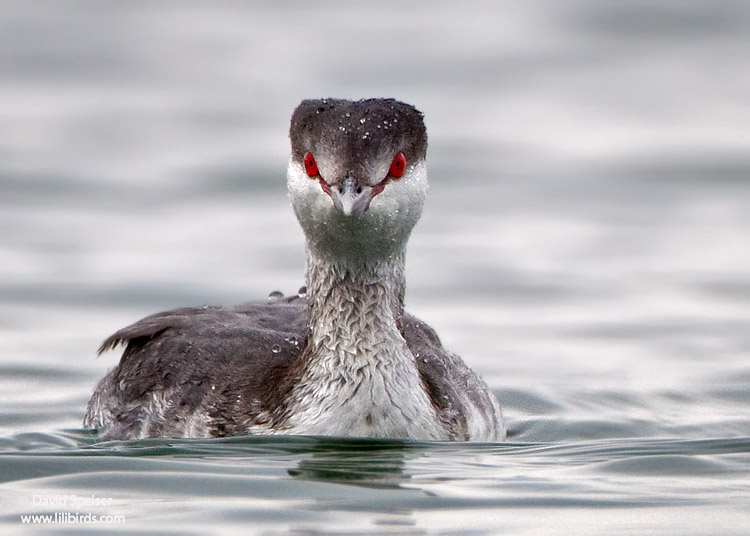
pixel 342 359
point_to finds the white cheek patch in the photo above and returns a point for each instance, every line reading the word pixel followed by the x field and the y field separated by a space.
pixel 308 198
pixel 402 199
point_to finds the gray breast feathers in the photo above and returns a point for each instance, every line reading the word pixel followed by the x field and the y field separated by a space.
pixel 222 363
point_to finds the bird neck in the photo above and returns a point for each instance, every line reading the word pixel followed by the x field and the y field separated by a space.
pixel 358 377
pixel 349 297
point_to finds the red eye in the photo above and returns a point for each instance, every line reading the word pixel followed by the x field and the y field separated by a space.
pixel 311 167
pixel 397 166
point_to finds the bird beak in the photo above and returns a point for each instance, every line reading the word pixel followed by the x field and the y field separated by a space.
pixel 351 197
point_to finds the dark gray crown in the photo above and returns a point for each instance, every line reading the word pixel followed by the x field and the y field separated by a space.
pixel 358 130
